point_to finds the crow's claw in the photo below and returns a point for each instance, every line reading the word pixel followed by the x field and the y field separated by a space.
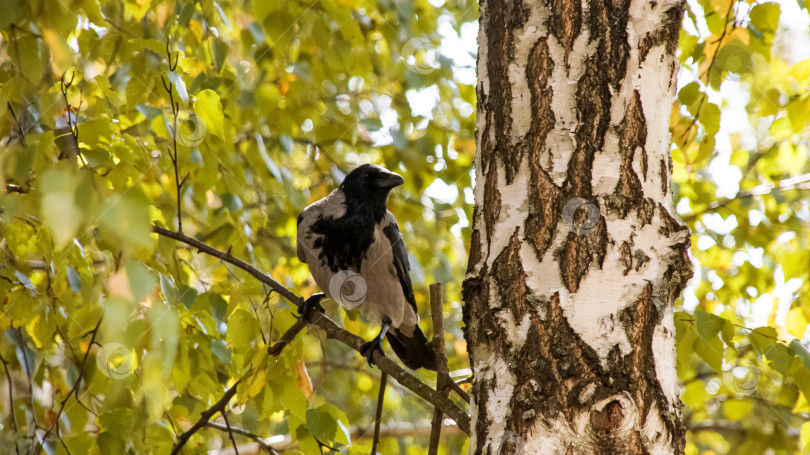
pixel 310 304
pixel 368 348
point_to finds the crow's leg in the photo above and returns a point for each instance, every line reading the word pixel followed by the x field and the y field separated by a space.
pixel 368 348
pixel 312 303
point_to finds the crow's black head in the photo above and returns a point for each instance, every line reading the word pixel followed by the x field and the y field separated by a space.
pixel 370 183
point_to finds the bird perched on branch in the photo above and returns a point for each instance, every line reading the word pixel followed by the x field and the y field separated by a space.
pixel 355 252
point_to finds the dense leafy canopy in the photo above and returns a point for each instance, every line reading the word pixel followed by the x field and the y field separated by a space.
pixel 116 339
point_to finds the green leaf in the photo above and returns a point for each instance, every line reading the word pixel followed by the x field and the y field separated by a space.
pixel 242 329
pixel 322 423
pixel 141 281
pixel 708 325
pixel 780 357
pixel 208 107
pixel 801 352
pixel 711 351
pixel 765 16
pixel 118 422
pixel 762 338
pixel 110 444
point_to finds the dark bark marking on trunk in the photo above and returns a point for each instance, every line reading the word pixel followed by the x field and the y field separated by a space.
pixel 664 177
pixel 636 371
pixel 604 69
pixel 544 195
pixel 510 279
pixel 552 369
pixel 475 294
pixel 492 201
pixel 627 255
pixel 629 194
pixel 667 36
pixel 504 19
pixel 578 252
pixel 480 390
pixel 567 25
pixel 475 244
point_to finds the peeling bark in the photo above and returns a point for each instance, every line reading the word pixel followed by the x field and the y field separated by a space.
pixel 577 256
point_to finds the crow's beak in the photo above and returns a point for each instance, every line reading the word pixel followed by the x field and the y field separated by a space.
pixel 389 180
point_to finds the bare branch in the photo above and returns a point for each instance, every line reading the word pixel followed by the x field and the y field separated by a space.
pixel 75 388
pixel 288 337
pixel 230 432
pixel 378 416
pixel 333 331
pixel 241 431
pixel 11 401
pixel 18 124
pixel 800 182
pixel 206 415
pixel 442 372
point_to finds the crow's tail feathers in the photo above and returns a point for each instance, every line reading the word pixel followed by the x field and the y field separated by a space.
pixel 414 351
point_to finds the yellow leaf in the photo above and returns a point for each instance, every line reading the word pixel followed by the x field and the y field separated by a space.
pixel 304 383
pixel 796 323
pixel 196 29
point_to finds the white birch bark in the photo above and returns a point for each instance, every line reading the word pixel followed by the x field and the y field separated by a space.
pixel 577 255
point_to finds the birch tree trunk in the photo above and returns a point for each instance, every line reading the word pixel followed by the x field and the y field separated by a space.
pixel 577 255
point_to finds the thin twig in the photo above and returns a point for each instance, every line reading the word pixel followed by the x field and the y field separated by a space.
pixel 18 124
pixel 800 182
pixel 11 402
pixel 442 372
pixel 261 330
pixel 378 415
pixel 241 431
pixel 230 432
pixel 288 337
pixel 75 388
pixel 173 157
pixel 333 331
pixel 206 415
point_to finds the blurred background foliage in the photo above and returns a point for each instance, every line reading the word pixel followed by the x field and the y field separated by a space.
pixel 114 340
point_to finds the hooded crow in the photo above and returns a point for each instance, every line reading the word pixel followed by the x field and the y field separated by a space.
pixel 355 252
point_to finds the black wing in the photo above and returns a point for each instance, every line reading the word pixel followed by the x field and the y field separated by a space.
pixel 401 261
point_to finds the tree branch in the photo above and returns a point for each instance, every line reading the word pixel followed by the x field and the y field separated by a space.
pixel 800 182
pixel 442 372
pixel 241 431
pixel 11 402
pixel 230 431
pixel 74 389
pixel 378 416
pixel 206 415
pixel 333 331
